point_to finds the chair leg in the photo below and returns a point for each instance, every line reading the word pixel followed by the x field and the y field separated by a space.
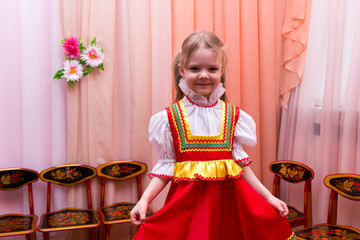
pixel 99 233
pixel 33 236
pixel 93 233
pixel 46 235
pixel 107 232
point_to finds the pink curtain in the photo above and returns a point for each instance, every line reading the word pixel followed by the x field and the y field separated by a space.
pixel 295 33
pixel 321 126
pixel 33 111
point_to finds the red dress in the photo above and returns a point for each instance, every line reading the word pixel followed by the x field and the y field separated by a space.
pixel 208 199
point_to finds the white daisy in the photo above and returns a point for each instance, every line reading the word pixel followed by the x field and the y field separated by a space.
pixel 93 56
pixel 73 71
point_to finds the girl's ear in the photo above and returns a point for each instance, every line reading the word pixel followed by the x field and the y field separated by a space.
pixel 181 70
pixel 222 72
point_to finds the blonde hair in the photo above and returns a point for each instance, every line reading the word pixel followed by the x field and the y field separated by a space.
pixel 193 42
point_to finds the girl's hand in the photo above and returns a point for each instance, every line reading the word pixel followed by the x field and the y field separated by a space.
pixel 279 205
pixel 138 213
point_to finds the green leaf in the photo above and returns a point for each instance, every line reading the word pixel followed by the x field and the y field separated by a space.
pixel 82 62
pixel 82 48
pixel 90 69
pixel 59 74
pixel 93 42
pixel 85 72
pixel 61 41
pixel 71 83
pixel 101 66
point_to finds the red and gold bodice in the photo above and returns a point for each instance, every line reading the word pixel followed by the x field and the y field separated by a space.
pixel 203 157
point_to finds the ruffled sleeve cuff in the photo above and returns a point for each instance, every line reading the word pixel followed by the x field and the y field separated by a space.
pixel 244 162
pixel 241 157
pixel 163 168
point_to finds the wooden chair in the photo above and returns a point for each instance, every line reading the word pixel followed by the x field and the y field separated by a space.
pixel 348 186
pixel 68 218
pixel 14 223
pixel 119 212
pixel 294 172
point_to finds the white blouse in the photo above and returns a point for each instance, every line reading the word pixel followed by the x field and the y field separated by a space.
pixel 204 120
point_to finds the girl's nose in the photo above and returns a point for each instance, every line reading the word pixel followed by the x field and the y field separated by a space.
pixel 203 75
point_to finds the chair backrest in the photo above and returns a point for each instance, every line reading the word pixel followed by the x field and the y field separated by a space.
pixel 120 170
pixel 291 171
pixel 294 172
pixel 68 175
pixel 347 185
pixel 15 178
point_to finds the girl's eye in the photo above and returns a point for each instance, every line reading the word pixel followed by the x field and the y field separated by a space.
pixel 194 68
pixel 213 69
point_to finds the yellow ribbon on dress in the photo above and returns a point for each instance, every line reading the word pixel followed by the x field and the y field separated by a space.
pixel 213 170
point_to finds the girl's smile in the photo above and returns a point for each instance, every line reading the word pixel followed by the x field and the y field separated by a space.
pixel 203 71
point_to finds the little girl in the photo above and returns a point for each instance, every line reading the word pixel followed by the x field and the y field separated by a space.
pixel 199 140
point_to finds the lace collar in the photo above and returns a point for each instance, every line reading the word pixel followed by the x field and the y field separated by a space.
pixel 201 100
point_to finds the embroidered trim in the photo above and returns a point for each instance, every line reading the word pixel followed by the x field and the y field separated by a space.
pixel 245 161
pixel 189 142
pixel 193 103
pixel 160 175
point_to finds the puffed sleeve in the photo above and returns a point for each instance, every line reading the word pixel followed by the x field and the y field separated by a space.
pixel 244 134
pixel 161 139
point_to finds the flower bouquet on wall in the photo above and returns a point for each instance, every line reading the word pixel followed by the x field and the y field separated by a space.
pixel 79 60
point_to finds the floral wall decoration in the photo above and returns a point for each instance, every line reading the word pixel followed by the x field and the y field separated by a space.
pixel 79 60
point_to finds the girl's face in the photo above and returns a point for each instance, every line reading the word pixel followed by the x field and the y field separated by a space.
pixel 203 72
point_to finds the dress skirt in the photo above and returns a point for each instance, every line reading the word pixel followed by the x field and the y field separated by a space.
pixel 215 210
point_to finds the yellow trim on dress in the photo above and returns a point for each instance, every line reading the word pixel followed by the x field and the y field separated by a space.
pixel 206 170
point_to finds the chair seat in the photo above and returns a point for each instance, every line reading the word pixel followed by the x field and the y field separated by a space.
pixel 328 231
pixel 294 213
pixel 15 224
pixel 68 218
pixel 119 212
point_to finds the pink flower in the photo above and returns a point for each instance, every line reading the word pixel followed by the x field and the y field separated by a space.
pixel 93 56
pixel 73 70
pixel 71 47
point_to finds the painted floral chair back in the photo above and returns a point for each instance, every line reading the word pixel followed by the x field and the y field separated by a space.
pixel 295 172
pixel 348 186
pixel 69 218
pixel 119 171
pixel 16 223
